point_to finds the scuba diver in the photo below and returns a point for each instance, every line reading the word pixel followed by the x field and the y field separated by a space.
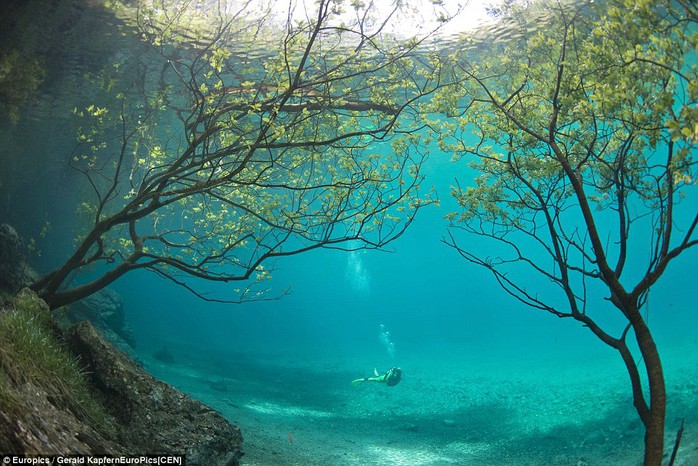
pixel 390 378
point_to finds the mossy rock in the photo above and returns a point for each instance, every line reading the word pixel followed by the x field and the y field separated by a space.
pixel 46 404
pixel 50 406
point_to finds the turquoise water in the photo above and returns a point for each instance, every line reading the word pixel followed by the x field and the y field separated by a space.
pixel 520 386
pixel 486 380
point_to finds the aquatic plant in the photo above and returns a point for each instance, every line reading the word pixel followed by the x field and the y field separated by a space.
pixel 33 356
pixel 583 136
pixel 212 160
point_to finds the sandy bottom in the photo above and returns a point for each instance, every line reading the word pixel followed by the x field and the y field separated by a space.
pixel 301 409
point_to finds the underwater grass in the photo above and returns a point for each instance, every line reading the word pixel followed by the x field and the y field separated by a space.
pixel 31 353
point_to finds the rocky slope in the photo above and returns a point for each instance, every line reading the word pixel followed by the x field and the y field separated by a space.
pixel 39 415
pixel 73 392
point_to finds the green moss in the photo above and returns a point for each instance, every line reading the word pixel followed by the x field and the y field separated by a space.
pixel 31 353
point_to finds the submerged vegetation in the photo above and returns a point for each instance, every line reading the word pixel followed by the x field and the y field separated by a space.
pixel 583 136
pixel 211 164
pixel 32 356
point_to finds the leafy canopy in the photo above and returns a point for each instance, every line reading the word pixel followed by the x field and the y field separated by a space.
pixel 220 157
pixel 581 133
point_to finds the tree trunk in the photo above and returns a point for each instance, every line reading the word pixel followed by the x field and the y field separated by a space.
pixel 654 422
pixel 56 298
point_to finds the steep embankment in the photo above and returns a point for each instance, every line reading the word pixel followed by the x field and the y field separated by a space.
pixel 46 406
pixel 73 393
pixel 77 394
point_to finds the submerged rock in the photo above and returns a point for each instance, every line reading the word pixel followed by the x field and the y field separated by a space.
pixel 105 310
pixel 43 411
pixel 48 408
pixel 13 271
pixel 155 417
pixel 449 423
pixel 164 355
pixel 410 428
pixel 218 385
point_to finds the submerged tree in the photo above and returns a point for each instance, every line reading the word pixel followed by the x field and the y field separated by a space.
pixel 583 136
pixel 247 144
